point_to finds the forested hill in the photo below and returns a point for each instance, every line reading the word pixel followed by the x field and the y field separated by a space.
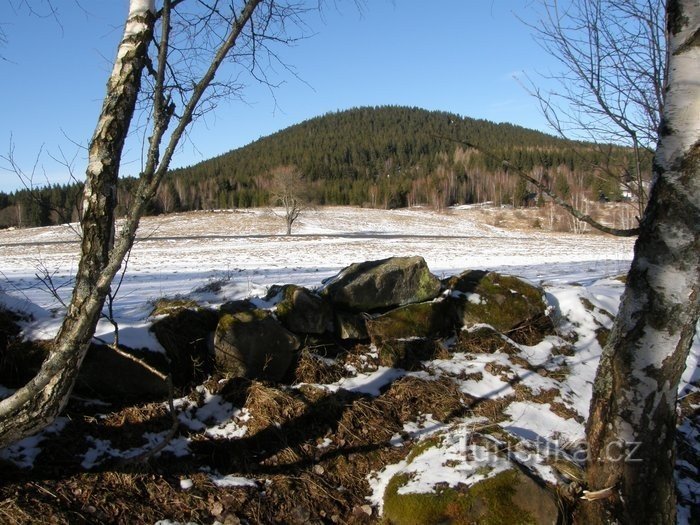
pixel 383 157
pixel 369 156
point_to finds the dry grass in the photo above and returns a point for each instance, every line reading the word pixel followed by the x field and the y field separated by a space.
pixel 412 396
pixel 312 368
pixel 483 340
pixel 492 409
pixel 271 406
pixel 555 219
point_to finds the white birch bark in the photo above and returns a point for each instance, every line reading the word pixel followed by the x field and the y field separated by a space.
pixel 632 425
pixel 36 404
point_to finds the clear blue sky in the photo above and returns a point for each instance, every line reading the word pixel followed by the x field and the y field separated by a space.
pixel 453 55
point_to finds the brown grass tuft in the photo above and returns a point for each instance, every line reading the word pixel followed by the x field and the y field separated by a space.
pixel 312 368
pixel 271 406
pixel 412 396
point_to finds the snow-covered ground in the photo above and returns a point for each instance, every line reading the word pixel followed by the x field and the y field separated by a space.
pixel 245 252
pixel 176 254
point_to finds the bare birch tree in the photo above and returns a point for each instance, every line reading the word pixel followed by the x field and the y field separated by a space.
pixel 166 65
pixel 609 88
pixel 631 430
pixel 288 191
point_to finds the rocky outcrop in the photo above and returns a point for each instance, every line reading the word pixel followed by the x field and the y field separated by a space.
pixel 253 344
pixel 382 284
pixel 396 304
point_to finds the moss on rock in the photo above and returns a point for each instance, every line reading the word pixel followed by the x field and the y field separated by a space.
pixel 169 305
pixel 302 311
pixel 254 345
pixel 508 497
pixel 431 319
pixel 507 303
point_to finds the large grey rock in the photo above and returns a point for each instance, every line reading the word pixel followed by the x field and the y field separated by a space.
pixel 302 311
pixel 254 345
pixel 382 284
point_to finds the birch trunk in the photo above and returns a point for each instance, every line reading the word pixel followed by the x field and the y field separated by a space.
pixel 632 424
pixel 37 404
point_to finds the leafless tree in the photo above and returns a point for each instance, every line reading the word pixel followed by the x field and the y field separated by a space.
pixel 631 429
pixel 609 88
pixel 289 191
pixel 173 64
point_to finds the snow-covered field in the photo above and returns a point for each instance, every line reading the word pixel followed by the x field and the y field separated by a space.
pixel 245 252
pixel 176 254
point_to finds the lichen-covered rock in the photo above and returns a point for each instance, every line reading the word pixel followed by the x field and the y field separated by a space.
pixel 430 319
pixel 387 283
pixel 302 311
pixel 254 345
pixel 502 301
pixel 508 497
pixel 186 336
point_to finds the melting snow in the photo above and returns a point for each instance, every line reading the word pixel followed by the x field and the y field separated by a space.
pixel 196 256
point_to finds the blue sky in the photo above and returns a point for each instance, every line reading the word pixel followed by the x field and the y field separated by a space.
pixel 453 55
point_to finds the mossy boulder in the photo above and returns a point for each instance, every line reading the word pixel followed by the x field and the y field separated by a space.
pixel 508 497
pixel 379 285
pixel 505 302
pixel 186 334
pixel 430 319
pixel 253 344
pixel 302 311
pixel 169 305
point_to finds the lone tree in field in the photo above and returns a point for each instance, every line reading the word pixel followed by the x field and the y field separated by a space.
pixel 289 191
pixel 166 65
pixel 631 429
